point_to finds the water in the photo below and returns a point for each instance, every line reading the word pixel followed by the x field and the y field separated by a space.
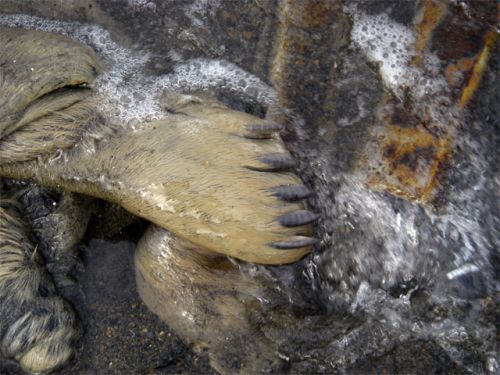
pixel 381 253
pixel 401 272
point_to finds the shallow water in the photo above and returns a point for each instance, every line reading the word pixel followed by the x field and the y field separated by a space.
pixel 389 272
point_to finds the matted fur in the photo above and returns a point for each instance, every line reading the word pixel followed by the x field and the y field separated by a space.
pixel 37 328
pixel 35 63
pixel 60 121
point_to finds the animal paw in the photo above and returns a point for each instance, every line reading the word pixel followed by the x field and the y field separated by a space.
pixel 219 178
pixel 216 177
pixel 37 327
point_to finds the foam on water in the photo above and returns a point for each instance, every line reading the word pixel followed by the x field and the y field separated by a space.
pixel 384 250
pixel 390 44
pixel 197 10
pixel 459 223
pixel 131 97
pixel 386 42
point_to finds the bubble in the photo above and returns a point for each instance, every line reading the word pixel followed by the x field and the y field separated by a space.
pixel 131 96
pixel 390 44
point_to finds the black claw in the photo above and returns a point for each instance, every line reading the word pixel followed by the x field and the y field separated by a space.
pixel 291 192
pixel 295 242
pixel 262 131
pixel 296 218
pixel 278 161
pixel 275 163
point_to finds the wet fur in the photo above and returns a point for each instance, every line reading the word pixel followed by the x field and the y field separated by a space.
pixel 37 326
pixel 34 64
pixel 191 172
pixel 207 300
pixel 187 173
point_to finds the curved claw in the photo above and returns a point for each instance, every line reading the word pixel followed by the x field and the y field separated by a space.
pixel 262 131
pixel 294 243
pixel 280 161
pixel 297 218
pixel 291 192
pixel 275 163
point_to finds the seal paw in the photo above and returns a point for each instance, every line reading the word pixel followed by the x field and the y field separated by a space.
pixel 227 192
pixel 197 175
pixel 202 172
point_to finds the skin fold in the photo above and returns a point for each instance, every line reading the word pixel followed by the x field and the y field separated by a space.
pixel 40 63
pixel 205 173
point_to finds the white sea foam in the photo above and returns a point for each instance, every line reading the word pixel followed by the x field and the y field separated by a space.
pixel 391 45
pixel 131 96
pixel 386 42
pixel 198 9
